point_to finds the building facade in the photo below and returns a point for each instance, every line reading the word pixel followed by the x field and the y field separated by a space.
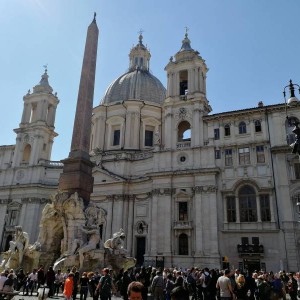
pixel 190 188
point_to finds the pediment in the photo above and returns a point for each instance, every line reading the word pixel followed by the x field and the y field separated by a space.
pixel 101 176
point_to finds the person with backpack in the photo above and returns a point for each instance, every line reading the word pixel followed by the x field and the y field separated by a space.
pixel 191 282
pixel 104 286
pixel 205 280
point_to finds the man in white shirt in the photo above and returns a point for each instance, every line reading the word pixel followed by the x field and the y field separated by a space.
pixel 31 282
pixel 2 280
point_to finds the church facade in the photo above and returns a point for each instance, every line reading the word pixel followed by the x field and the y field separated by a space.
pixel 189 187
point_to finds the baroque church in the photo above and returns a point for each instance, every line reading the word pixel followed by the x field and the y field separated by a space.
pixel 189 187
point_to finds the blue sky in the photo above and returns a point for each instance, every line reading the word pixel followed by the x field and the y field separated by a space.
pixel 251 47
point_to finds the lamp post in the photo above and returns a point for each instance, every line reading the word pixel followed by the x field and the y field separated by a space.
pixel 292 102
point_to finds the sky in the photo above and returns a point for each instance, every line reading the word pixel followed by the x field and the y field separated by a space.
pixel 251 48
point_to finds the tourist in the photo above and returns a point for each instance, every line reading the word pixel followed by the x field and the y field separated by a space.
pixel 68 287
pixel 224 284
pixel 93 282
pixel 179 293
pixel 3 278
pixel 31 283
pixel 59 279
pixel 75 284
pixel 292 286
pixel 50 278
pixel 84 286
pixel 40 276
pixel 135 290
pixel 169 286
pixel 157 286
pixel 124 283
pixel 21 280
pixel 8 285
pixel 241 287
pixel 104 286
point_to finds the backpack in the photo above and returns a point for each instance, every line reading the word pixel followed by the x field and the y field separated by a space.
pixel 106 287
pixel 207 279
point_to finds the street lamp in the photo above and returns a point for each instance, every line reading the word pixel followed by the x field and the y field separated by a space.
pixel 292 102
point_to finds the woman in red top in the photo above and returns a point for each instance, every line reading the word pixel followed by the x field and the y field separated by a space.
pixel 68 287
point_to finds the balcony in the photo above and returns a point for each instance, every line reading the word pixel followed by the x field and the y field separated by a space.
pixel 183 225
pixel 250 249
pixel 183 145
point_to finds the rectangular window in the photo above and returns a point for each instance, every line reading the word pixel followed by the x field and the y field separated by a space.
pixel 183 211
pixel 217 154
pixel 231 209
pixel 245 240
pixel 297 170
pixel 217 133
pixel 228 157
pixel 260 154
pixel 13 218
pixel 227 130
pixel 116 139
pixel 148 138
pixel 265 210
pixel 244 156
pixel 255 241
pixel 248 210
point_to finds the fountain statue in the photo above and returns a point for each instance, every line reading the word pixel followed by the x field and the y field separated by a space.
pixel 116 253
pixel 74 239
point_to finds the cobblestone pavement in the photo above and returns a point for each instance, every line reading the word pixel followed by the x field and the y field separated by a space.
pixel 60 297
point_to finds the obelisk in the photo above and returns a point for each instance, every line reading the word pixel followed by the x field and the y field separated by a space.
pixel 77 171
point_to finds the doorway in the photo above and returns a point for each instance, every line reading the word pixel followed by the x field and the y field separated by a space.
pixel 140 250
pixel 252 265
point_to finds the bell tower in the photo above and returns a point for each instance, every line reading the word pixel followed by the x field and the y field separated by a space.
pixel 36 133
pixel 186 101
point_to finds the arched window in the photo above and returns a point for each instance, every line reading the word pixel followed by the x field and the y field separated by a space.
pixel 227 130
pixel 183 244
pixel 242 127
pixel 247 202
pixel 26 153
pixel 184 131
pixel 289 126
pixel 257 126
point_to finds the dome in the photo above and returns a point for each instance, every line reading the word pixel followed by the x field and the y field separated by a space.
pixel 135 85
pixel 138 83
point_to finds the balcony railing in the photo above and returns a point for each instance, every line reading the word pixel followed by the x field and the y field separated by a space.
pixel 181 145
pixel 183 225
pixel 250 249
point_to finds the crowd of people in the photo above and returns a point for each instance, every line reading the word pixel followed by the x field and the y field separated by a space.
pixel 166 284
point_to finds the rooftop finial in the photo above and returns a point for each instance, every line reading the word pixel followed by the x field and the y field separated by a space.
pixel 141 36
pixel 94 20
pixel 45 67
pixel 186 31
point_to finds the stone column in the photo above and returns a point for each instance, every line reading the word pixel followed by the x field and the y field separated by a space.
pixel 26 113
pixel 196 127
pixel 166 200
pixel 130 226
pixel 237 209
pixel 258 208
pixel 198 221
pixel 153 225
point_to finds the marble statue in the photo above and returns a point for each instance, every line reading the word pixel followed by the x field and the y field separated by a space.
pixel 14 256
pixel 116 253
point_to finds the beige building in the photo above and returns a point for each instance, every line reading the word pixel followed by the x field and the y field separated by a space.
pixel 188 187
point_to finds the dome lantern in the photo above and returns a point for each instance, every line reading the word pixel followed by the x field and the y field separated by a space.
pixel 139 56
